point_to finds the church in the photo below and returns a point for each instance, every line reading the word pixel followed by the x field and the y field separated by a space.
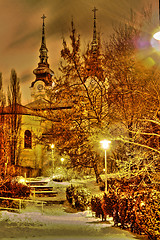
pixel 31 155
pixel 34 155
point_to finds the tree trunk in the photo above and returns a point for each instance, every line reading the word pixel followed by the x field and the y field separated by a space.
pixel 95 167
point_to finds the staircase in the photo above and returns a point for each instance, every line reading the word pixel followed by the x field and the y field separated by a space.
pixel 41 191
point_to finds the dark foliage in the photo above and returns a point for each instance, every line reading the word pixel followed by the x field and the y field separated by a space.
pixel 132 207
pixel 97 207
pixel 14 190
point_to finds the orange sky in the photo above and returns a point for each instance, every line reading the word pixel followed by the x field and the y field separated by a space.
pixel 21 23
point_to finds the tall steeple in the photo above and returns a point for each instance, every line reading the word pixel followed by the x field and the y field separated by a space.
pixel 94 57
pixel 94 43
pixel 43 49
pixel 43 72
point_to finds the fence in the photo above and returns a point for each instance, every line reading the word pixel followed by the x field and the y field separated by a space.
pixel 20 201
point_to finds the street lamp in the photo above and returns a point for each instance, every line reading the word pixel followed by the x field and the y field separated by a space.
pixel 52 147
pixel 105 145
pixel 62 160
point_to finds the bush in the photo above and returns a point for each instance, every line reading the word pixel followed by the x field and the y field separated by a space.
pixel 96 206
pixel 14 190
pixel 137 210
pixel 77 197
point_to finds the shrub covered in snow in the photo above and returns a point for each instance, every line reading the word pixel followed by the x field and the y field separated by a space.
pixel 77 197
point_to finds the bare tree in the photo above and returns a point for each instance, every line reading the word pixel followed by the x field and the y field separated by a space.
pixel 83 86
pixel 14 99
pixel 111 94
pixel 3 155
pixel 133 101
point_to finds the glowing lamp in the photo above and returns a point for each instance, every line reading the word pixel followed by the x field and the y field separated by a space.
pixel 105 144
pixel 52 146
pixel 156 36
pixel 62 160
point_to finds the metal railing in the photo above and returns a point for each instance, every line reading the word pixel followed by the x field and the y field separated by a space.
pixel 19 209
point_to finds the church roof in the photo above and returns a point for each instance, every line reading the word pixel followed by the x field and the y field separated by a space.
pixel 35 108
pixel 38 104
pixel 43 104
pixel 16 109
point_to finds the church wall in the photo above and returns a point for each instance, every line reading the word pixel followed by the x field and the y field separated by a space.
pixel 31 158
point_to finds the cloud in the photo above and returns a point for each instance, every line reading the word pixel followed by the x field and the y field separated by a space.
pixel 21 27
pixel 28 23
pixel 24 40
pixel 25 77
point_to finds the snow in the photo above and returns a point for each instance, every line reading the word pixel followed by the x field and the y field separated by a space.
pixel 39 219
pixel 58 225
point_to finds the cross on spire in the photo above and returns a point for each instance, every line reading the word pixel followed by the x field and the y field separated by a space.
pixel 43 17
pixel 94 10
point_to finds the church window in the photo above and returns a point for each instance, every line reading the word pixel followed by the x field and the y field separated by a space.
pixel 27 139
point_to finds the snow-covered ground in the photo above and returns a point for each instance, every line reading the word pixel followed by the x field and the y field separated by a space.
pixel 57 224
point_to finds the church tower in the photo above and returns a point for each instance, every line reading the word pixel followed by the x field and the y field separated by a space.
pixel 94 43
pixel 43 73
pixel 94 59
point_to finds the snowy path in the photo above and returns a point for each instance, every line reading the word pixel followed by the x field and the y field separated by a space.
pixel 58 225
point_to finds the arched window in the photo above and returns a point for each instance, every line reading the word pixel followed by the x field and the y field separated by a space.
pixel 27 139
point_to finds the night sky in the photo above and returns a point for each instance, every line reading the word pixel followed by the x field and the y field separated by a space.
pixel 21 24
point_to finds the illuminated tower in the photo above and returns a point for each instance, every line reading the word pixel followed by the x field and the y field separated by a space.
pixel 43 73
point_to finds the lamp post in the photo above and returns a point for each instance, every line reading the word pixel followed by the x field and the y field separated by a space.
pixel 52 147
pixel 105 145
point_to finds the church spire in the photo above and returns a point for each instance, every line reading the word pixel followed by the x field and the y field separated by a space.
pixel 43 72
pixel 43 49
pixel 94 43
